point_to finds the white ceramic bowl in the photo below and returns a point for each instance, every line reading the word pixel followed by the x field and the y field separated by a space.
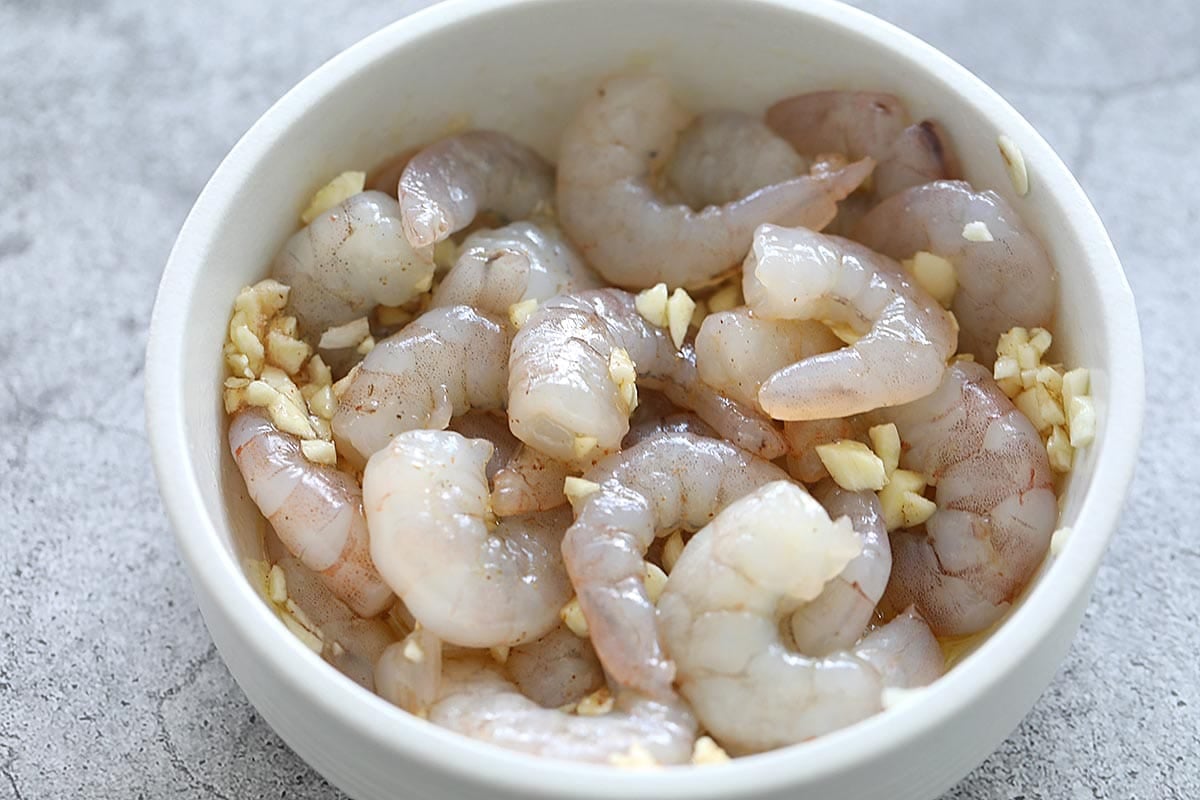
pixel 522 67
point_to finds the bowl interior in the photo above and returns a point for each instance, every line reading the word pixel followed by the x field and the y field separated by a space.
pixel 523 68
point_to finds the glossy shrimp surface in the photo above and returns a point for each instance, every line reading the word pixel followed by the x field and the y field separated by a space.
pixel 634 238
pixel 557 669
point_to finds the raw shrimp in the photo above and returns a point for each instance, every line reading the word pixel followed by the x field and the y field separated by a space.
pixel 995 497
pixel 736 351
pixel 445 185
pixel 493 426
pixel 671 481
pixel 723 156
pixel 349 260
pixel 386 177
pixel 655 415
pixel 905 336
pixel 565 400
pixel 836 619
pixel 557 669
pixel 316 510
pixel 862 124
pixel 470 580
pixel 803 436
pixel 610 152
pixel 1003 282
pixel 522 261
pixel 738 581
pixel 442 364
pixel 409 673
pixel 478 701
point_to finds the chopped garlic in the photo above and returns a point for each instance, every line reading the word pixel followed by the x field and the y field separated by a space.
pixel 679 315
pixel 1058 448
pixel 1081 420
pixel 896 499
pixel 277 585
pixel 852 465
pixel 310 640
pixel 341 386
pixel 652 305
pixel 318 371
pixel 916 509
pixel 238 362
pixel 248 343
pixel 725 298
pixel 672 550
pixel 1040 340
pixel 1014 162
pixel 1006 367
pixel 935 275
pixel 885 441
pixel 577 488
pixel 334 193
pixel 623 373
pixel 342 336
pixel 655 580
pixel 287 352
pixel 499 654
pixel 584 445
pixel 637 757
pixel 572 616
pixel 234 399
pixel 977 231
pixel 260 395
pixel 519 313
pixel 321 403
pixel 365 346
pixel 595 704
pixel 1058 540
pixel 413 651
pixel 425 284
pixel 1075 383
pixel 1041 408
pixel 319 451
pixel 706 751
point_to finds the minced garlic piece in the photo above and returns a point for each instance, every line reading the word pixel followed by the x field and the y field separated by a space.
pixel 310 639
pixel 248 344
pixel 287 352
pixel 652 304
pixel 341 386
pixel 623 373
pixel 500 654
pixel 679 315
pixel 852 465
pixel 318 371
pixel 725 298
pixel 584 445
pixel 277 585
pixel 572 616
pixel 655 580
pixel 519 313
pixel 935 275
pixel 885 441
pixel 977 231
pixel 1080 409
pixel 319 451
pixel 637 757
pixel 334 193
pixel 365 346
pixel 598 702
pixel 1014 162
pixel 321 402
pixel 286 415
pixel 706 751
pixel 413 651
pixel 1058 540
pixel 672 550
pixel 350 334
pixel 577 488
pixel 1058 448
pixel 900 509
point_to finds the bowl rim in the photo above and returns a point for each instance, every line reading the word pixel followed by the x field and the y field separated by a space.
pixel 222 579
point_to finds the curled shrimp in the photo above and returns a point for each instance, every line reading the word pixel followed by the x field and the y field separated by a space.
pixel 471 580
pixel 722 156
pixel 803 436
pixel 445 362
pixel 409 672
pixel 316 510
pixel 862 124
pixel 522 261
pixel 557 669
pixel 349 260
pixel 478 701
pixel 562 389
pixel 836 619
pixel 905 336
pixel 655 415
pixel 617 141
pixel 736 352
pixel 737 583
pixel 653 488
pixel 995 497
pixel 1003 282
pixel 447 183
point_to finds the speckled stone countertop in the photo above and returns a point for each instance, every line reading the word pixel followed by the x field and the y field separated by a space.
pixel 113 113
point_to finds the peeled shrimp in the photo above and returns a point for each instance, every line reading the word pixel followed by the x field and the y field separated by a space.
pixel 996 504
pixel 1001 283
pixel 610 151
pixel 316 510
pixel 861 124
pixel 905 336
pixel 492 426
pixel 478 701
pixel 668 482
pixel 409 673
pixel 723 156
pixel 736 351
pixel 442 364
pixel 349 260
pixel 446 184
pixel 803 436
pixel 522 261
pixel 738 581
pixel 655 415
pixel 564 400
pixel 836 619
pixel 557 669
pixel 470 580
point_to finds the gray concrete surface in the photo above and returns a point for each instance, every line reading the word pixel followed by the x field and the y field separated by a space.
pixel 113 114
